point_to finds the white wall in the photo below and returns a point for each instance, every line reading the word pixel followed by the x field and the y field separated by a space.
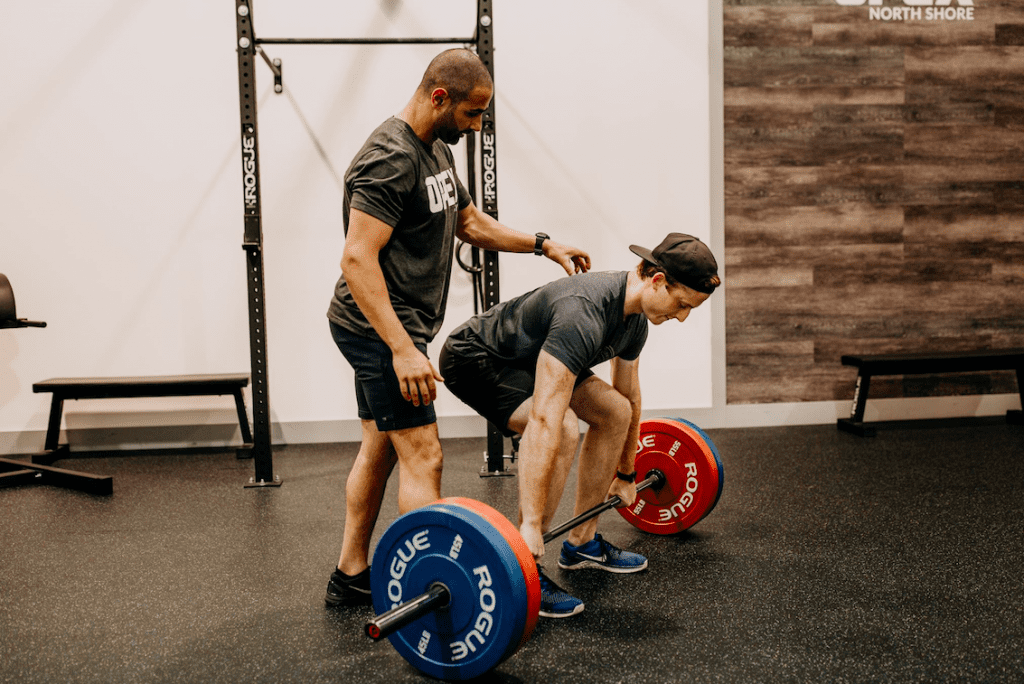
pixel 120 188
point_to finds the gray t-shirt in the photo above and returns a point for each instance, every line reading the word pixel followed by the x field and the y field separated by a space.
pixel 412 187
pixel 578 320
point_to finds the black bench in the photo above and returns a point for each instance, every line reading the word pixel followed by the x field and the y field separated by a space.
pixel 922 364
pixel 130 387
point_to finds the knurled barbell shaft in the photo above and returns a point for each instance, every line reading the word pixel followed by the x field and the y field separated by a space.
pixel 438 595
pixel 655 478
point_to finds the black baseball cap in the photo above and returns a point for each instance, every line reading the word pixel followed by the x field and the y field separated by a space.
pixel 685 258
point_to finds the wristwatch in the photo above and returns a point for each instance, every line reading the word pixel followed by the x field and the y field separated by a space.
pixel 538 247
pixel 627 478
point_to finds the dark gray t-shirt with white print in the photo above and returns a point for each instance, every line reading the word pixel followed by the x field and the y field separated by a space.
pixel 412 187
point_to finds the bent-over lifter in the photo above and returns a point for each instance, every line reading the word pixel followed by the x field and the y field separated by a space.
pixel 525 366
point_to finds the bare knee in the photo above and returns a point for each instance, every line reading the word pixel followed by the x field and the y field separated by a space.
pixel 373 464
pixel 613 413
pixel 419 448
pixel 419 461
pixel 570 433
pixel 427 459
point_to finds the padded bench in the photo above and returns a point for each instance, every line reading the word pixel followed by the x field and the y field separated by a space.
pixel 130 387
pixel 924 364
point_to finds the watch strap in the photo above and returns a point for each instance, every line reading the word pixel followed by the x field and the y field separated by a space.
pixel 538 247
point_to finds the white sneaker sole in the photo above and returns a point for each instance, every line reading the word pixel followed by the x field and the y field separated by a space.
pixel 600 566
pixel 578 609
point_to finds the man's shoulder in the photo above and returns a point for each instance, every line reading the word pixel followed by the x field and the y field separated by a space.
pixel 391 136
pixel 595 286
pixel 386 154
pixel 395 142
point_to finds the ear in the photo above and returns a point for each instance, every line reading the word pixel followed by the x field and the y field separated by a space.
pixel 658 280
pixel 439 97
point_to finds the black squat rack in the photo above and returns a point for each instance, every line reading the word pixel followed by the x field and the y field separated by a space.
pixel 483 266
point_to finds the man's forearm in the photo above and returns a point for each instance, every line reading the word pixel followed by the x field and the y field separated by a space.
pixel 627 460
pixel 484 231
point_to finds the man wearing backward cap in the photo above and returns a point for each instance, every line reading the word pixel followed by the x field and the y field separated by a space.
pixel 525 366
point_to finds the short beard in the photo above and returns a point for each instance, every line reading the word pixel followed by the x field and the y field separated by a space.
pixel 446 129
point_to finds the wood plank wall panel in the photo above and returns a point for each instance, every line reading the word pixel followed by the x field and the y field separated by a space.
pixel 874 194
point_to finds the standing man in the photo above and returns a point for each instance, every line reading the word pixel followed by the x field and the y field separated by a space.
pixel 404 207
pixel 525 366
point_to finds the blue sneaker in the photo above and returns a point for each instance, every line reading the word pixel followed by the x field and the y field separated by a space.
pixel 555 602
pixel 598 553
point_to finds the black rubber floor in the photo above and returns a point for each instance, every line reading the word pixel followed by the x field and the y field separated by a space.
pixel 829 558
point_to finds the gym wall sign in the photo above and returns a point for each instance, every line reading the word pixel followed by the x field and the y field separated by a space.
pixel 916 10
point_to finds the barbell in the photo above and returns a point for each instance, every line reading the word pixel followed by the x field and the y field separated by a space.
pixel 455 586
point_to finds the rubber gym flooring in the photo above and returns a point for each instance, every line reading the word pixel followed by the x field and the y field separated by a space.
pixel 829 558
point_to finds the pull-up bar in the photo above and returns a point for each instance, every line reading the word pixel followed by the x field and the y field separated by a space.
pixel 364 41
pixel 483 17
pixel 248 46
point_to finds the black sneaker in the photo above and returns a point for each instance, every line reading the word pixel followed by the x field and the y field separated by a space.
pixel 347 590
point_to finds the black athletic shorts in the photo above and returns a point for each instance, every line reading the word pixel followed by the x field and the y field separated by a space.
pixel 377 393
pixel 490 387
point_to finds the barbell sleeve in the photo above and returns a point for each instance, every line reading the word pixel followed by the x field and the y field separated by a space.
pixel 655 478
pixel 389 622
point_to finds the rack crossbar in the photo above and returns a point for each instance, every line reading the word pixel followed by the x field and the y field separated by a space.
pixel 362 41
